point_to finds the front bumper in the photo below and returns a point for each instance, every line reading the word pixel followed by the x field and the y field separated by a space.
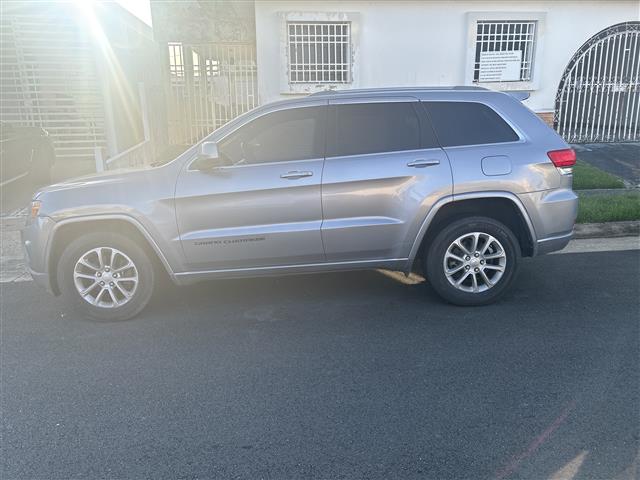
pixel 35 241
pixel 43 280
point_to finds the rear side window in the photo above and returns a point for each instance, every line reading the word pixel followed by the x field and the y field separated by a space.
pixel 357 129
pixel 468 123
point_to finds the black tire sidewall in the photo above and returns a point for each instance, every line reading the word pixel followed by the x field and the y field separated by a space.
pixel 78 247
pixel 434 260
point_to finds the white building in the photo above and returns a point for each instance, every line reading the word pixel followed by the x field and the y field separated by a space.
pixel 579 60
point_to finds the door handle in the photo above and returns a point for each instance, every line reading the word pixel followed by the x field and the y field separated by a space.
pixel 423 163
pixel 295 175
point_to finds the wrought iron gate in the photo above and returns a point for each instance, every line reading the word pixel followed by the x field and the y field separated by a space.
pixel 209 85
pixel 598 99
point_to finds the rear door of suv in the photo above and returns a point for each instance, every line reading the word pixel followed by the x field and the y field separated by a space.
pixel 383 172
pixel 485 151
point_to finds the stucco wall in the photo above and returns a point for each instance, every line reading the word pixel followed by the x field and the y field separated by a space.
pixel 203 21
pixel 427 42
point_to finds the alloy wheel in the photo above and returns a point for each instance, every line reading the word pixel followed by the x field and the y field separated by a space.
pixel 475 262
pixel 105 277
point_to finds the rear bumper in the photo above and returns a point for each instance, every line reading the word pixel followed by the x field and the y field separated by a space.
pixel 553 244
pixel 553 214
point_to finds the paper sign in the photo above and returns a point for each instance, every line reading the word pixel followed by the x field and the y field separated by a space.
pixel 501 66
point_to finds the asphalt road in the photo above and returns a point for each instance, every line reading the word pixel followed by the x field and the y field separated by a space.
pixel 350 376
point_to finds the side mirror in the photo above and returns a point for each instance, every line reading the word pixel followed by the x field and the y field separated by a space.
pixel 208 157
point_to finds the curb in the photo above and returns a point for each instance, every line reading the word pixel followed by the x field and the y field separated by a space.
pixel 607 230
pixel 594 192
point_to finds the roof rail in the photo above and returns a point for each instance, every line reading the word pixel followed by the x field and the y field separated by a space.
pixel 395 89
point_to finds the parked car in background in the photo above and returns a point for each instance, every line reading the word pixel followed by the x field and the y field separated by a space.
pixel 25 153
pixel 463 181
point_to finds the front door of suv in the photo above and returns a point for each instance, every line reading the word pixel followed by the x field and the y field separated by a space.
pixel 383 172
pixel 264 208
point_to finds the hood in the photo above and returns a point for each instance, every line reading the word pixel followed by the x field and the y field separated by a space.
pixel 94 179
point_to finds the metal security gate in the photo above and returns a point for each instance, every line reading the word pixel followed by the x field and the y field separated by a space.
pixel 48 78
pixel 209 85
pixel 598 99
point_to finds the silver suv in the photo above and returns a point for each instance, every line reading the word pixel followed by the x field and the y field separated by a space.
pixel 460 181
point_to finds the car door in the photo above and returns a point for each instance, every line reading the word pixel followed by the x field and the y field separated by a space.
pixel 383 172
pixel 264 208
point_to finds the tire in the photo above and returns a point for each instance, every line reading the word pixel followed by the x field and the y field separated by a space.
pixel 497 262
pixel 122 301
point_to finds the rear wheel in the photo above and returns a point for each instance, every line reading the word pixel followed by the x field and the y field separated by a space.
pixel 473 261
pixel 106 276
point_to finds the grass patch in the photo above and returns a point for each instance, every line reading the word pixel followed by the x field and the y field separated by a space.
pixel 609 208
pixel 587 177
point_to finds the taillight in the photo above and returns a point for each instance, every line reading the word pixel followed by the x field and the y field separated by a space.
pixel 563 158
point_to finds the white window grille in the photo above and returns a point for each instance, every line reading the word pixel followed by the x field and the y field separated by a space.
pixel 506 36
pixel 319 52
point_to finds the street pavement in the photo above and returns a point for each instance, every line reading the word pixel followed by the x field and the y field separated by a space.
pixel 350 375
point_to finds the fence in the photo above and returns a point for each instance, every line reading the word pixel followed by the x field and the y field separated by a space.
pixel 209 85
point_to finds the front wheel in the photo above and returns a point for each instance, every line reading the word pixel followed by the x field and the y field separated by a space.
pixel 106 276
pixel 473 261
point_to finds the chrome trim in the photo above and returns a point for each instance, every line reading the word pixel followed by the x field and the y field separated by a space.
pixel 556 237
pixel 193 276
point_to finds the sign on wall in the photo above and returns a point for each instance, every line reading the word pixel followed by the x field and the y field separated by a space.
pixel 500 66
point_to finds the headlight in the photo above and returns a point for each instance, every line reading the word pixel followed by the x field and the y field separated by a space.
pixel 35 208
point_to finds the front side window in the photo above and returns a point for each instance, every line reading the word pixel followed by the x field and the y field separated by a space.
pixel 286 135
pixel 468 123
pixel 319 52
pixel 504 51
pixel 364 128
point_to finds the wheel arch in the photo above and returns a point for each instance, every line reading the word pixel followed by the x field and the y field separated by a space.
pixel 502 206
pixel 66 230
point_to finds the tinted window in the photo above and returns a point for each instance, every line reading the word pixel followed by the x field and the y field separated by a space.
pixel 293 134
pixel 373 128
pixel 468 123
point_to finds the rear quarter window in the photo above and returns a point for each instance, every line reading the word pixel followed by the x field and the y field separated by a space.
pixel 468 123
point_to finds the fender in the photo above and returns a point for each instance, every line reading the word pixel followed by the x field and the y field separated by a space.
pixel 468 196
pixel 115 216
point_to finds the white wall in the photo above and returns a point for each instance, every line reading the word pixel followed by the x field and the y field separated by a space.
pixel 426 42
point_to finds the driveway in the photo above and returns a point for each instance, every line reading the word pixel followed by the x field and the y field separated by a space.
pixel 351 375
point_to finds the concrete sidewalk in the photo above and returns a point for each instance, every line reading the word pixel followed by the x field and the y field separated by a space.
pixel 12 267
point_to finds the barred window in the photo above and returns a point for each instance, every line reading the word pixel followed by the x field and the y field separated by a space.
pixel 504 51
pixel 319 52
pixel 176 65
